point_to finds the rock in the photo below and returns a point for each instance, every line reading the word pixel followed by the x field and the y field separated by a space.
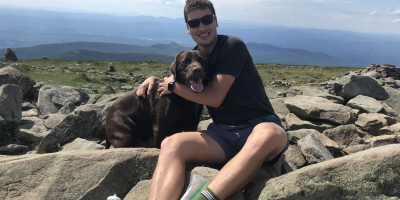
pixel 13 149
pixel 82 144
pixel 393 100
pixel 356 148
pixel 140 192
pixel 75 174
pixel 29 110
pixel 293 91
pixel 294 158
pixel 109 89
pixel 271 94
pixel 370 174
pixel 10 75
pixel 68 108
pixel 395 128
pixel 320 92
pixel 372 122
pixel 10 104
pixel 52 99
pixel 52 120
pixel 73 126
pixel 321 109
pixel 111 97
pixel 387 110
pixel 10 55
pixel 365 104
pixel 93 98
pixel 295 123
pixel 31 130
pixel 203 125
pixel 345 135
pixel 361 85
pixel 127 87
pixel 111 68
pixel 313 150
pixel 294 136
pixel 280 109
pixel 383 140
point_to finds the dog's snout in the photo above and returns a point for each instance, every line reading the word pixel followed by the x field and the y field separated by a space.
pixel 197 70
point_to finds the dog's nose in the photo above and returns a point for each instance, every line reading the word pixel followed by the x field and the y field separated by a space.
pixel 197 70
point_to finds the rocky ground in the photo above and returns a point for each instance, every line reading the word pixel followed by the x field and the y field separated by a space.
pixel 344 142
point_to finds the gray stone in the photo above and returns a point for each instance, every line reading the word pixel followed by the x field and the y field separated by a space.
pixel 279 107
pixel 361 85
pixel 356 148
pixel 84 175
pixel 52 99
pixel 314 150
pixel 31 130
pixel 383 140
pixel 393 101
pixel 127 87
pixel 10 75
pixel 10 103
pixel 372 122
pixel 93 98
pixel 321 109
pixel 294 157
pixel 82 144
pixel 271 94
pixel 387 110
pixel 345 135
pixel 68 108
pixel 295 123
pixel 140 192
pixel 203 125
pixel 369 174
pixel 109 89
pixel 13 149
pixel 324 93
pixel 365 104
pixel 52 120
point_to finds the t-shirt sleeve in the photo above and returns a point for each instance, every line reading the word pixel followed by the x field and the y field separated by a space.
pixel 232 57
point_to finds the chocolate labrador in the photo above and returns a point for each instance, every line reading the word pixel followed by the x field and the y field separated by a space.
pixel 132 117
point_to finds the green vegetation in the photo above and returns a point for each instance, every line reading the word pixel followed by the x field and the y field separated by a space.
pixel 93 75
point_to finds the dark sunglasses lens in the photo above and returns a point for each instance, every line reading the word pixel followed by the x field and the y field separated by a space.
pixel 206 20
pixel 194 23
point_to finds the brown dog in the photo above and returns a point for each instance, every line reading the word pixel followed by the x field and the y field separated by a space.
pixel 155 116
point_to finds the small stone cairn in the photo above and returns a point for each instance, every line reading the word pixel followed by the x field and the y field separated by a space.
pixel 111 68
pixel 10 55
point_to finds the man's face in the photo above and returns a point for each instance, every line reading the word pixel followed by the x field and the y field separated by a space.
pixel 205 35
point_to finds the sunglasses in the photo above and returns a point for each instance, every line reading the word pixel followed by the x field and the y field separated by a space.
pixel 206 20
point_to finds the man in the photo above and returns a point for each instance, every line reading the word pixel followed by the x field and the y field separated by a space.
pixel 245 134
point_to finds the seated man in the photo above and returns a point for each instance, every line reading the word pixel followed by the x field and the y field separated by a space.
pixel 246 132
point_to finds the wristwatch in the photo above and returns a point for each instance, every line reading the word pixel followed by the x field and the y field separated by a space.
pixel 171 85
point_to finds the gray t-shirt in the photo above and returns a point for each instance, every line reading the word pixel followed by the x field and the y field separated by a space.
pixel 246 99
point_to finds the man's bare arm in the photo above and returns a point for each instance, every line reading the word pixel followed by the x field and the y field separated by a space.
pixel 212 95
pixel 148 83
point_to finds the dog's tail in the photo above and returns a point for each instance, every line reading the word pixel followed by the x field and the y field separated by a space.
pixel 108 143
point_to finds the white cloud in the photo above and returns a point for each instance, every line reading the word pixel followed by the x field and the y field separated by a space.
pixel 342 17
pixel 396 21
pixel 395 11
pixel 373 12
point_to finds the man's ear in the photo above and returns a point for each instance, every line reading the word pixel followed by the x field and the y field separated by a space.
pixel 216 21
pixel 175 64
pixel 188 29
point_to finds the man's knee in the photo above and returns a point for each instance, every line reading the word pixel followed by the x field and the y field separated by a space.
pixel 266 134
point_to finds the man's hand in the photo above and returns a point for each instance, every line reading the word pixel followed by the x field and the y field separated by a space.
pixel 148 83
pixel 163 87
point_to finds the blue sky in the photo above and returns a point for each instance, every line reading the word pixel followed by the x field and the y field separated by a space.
pixel 376 16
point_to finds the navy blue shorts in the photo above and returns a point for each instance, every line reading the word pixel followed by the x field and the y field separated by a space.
pixel 232 139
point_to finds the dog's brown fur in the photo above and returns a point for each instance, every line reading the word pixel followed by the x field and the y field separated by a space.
pixel 132 117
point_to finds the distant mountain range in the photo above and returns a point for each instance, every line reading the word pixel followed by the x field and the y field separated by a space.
pixel 261 53
pixel 28 28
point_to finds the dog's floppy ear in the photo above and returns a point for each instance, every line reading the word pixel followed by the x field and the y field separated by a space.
pixel 175 64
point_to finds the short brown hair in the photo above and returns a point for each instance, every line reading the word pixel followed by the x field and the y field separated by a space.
pixel 197 4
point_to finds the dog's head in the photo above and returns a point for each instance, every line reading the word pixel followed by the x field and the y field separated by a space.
pixel 190 68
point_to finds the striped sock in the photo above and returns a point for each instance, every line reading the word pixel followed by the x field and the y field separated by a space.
pixel 207 195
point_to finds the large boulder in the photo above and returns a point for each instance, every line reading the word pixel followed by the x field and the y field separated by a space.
pixel 313 150
pixel 295 123
pixel 320 92
pixel 10 103
pixel 294 158
pixel 82 144
pixel 373 122
pixel 393 100
pixel 361 85
pixel 345 135
pixel 365 104
pixel 10 75
pixel 31 130
pixel 370 174
pixel 52 99
pixel 318 108
pixel 75 174
pixel 280 109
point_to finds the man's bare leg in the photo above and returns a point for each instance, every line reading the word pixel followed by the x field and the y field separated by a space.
pixel 264 143
pixel 176 150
